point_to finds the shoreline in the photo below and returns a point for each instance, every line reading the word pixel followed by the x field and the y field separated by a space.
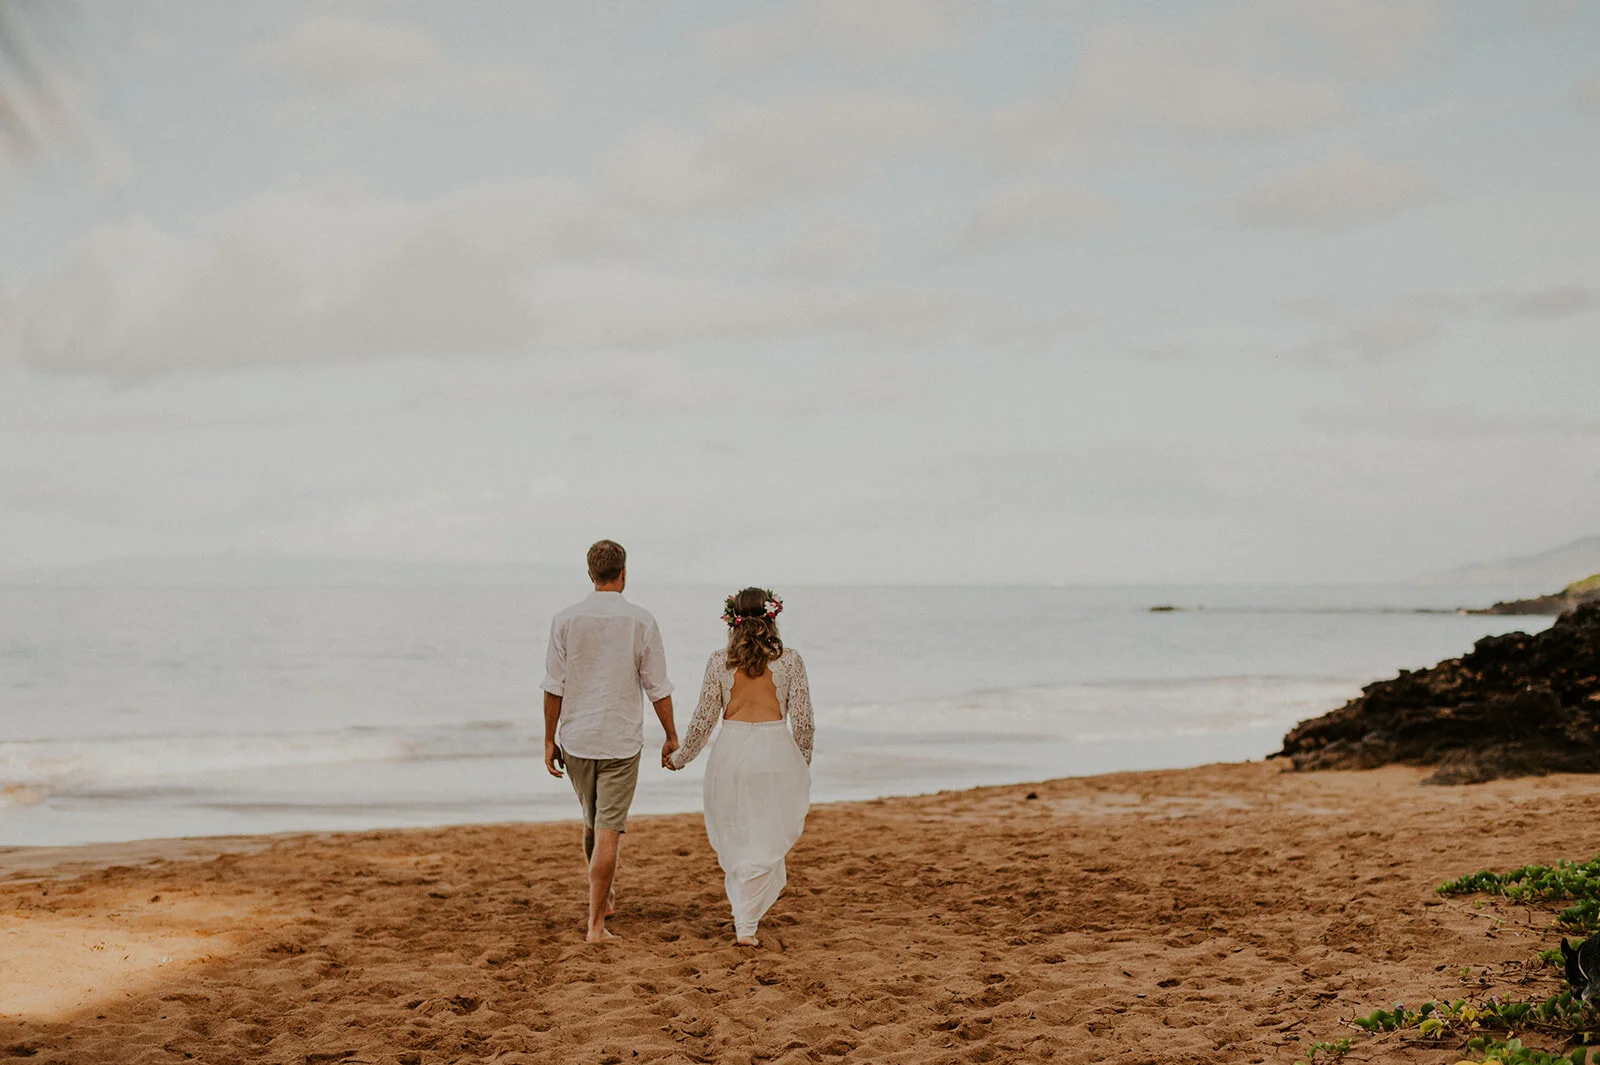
pixel 860 765
pixel 81 859
pixel 53 861
pixel 1161 916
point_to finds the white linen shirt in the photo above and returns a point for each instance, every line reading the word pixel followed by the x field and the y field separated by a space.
pixel 603 652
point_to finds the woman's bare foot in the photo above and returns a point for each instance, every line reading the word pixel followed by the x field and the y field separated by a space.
pixel 611 903
pixel 599 937
pixel 748 941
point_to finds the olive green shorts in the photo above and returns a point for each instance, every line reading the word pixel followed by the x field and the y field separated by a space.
pixel 605 789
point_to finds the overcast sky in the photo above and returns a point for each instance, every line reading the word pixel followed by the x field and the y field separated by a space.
pixel 828 291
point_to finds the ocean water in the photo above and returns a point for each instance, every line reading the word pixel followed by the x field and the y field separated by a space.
pixel 129 713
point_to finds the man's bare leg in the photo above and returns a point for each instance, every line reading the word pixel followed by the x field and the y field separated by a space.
pixel 588 856
pixel 602 871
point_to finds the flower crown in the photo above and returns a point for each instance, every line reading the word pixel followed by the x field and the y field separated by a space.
pixel 772 607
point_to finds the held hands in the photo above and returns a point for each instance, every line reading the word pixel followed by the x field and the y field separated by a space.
pixel 554 763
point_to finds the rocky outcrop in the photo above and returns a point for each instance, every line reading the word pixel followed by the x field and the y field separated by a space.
pixel 1515 705
pixel 1569 598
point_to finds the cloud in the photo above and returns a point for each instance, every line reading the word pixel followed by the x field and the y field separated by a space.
pixel 1037 210
pixel 1376 35
pixel 1392 332
pixel 347 56
pixel 1557 14
pixel 1171 76
pixel 1557 301
pixel 1017 333
pixel 1340 192
pixel 1588 95
pixel 1416 320
pixel 83 128
pixel 521 268
pixel 1393 415
pixel 47 106
pixel 457 523
pixel 824 248
pixel 337 53
pixel 838 25
pixel 629 382
pixel 33 113
pixel 752 154
pixel 301 277
pixel 641 308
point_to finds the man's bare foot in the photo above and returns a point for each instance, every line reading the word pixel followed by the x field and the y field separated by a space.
pixel 611 903
pixel 600 936
pixel 748 941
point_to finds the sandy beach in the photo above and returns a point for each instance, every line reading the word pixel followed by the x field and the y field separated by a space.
pixel 1228 912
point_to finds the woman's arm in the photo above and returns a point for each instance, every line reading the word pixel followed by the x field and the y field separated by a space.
pixel 705 716
pixel 800 720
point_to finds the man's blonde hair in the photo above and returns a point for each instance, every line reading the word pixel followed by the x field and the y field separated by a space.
pixel 607 560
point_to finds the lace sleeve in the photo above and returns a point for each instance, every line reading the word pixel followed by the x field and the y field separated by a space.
pixel 705 717
pixel 800 720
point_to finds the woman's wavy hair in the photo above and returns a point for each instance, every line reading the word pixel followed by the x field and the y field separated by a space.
pixel 753 639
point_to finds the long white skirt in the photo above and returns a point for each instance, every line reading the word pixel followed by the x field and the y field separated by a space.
pixel 757 792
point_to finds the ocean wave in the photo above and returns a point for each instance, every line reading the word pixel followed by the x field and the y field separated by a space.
pixel 23 794
pixel 53 765
pixel 32 770
pixel 1102 712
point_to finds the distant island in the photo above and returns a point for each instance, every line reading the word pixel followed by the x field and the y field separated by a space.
pixel 1572 596
pixel 1544 569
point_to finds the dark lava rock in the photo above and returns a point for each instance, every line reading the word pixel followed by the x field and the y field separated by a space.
pixel 1569 598
pixel 1559 603
pixel 1516 705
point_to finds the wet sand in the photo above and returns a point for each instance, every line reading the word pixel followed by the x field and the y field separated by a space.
pixel 1226 913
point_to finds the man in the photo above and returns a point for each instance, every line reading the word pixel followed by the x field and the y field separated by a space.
pixel 603 652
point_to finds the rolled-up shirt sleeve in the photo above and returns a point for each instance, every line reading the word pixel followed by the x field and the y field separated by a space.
pixel 653 666
pixel 555 662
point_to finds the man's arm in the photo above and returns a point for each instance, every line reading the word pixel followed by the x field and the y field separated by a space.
pixel 663 708
pixel 555 683
pixel 552 715
pixel 652 665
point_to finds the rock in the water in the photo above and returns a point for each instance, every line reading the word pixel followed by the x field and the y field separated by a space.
pixel 1516 705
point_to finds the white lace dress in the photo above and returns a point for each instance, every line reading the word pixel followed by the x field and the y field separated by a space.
pixel 758 783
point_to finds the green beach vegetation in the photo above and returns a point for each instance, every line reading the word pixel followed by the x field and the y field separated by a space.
pixel 1493 1029
pixel 1563 881
pixel 1584 587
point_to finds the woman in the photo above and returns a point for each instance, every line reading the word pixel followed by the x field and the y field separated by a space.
pixel 758 778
